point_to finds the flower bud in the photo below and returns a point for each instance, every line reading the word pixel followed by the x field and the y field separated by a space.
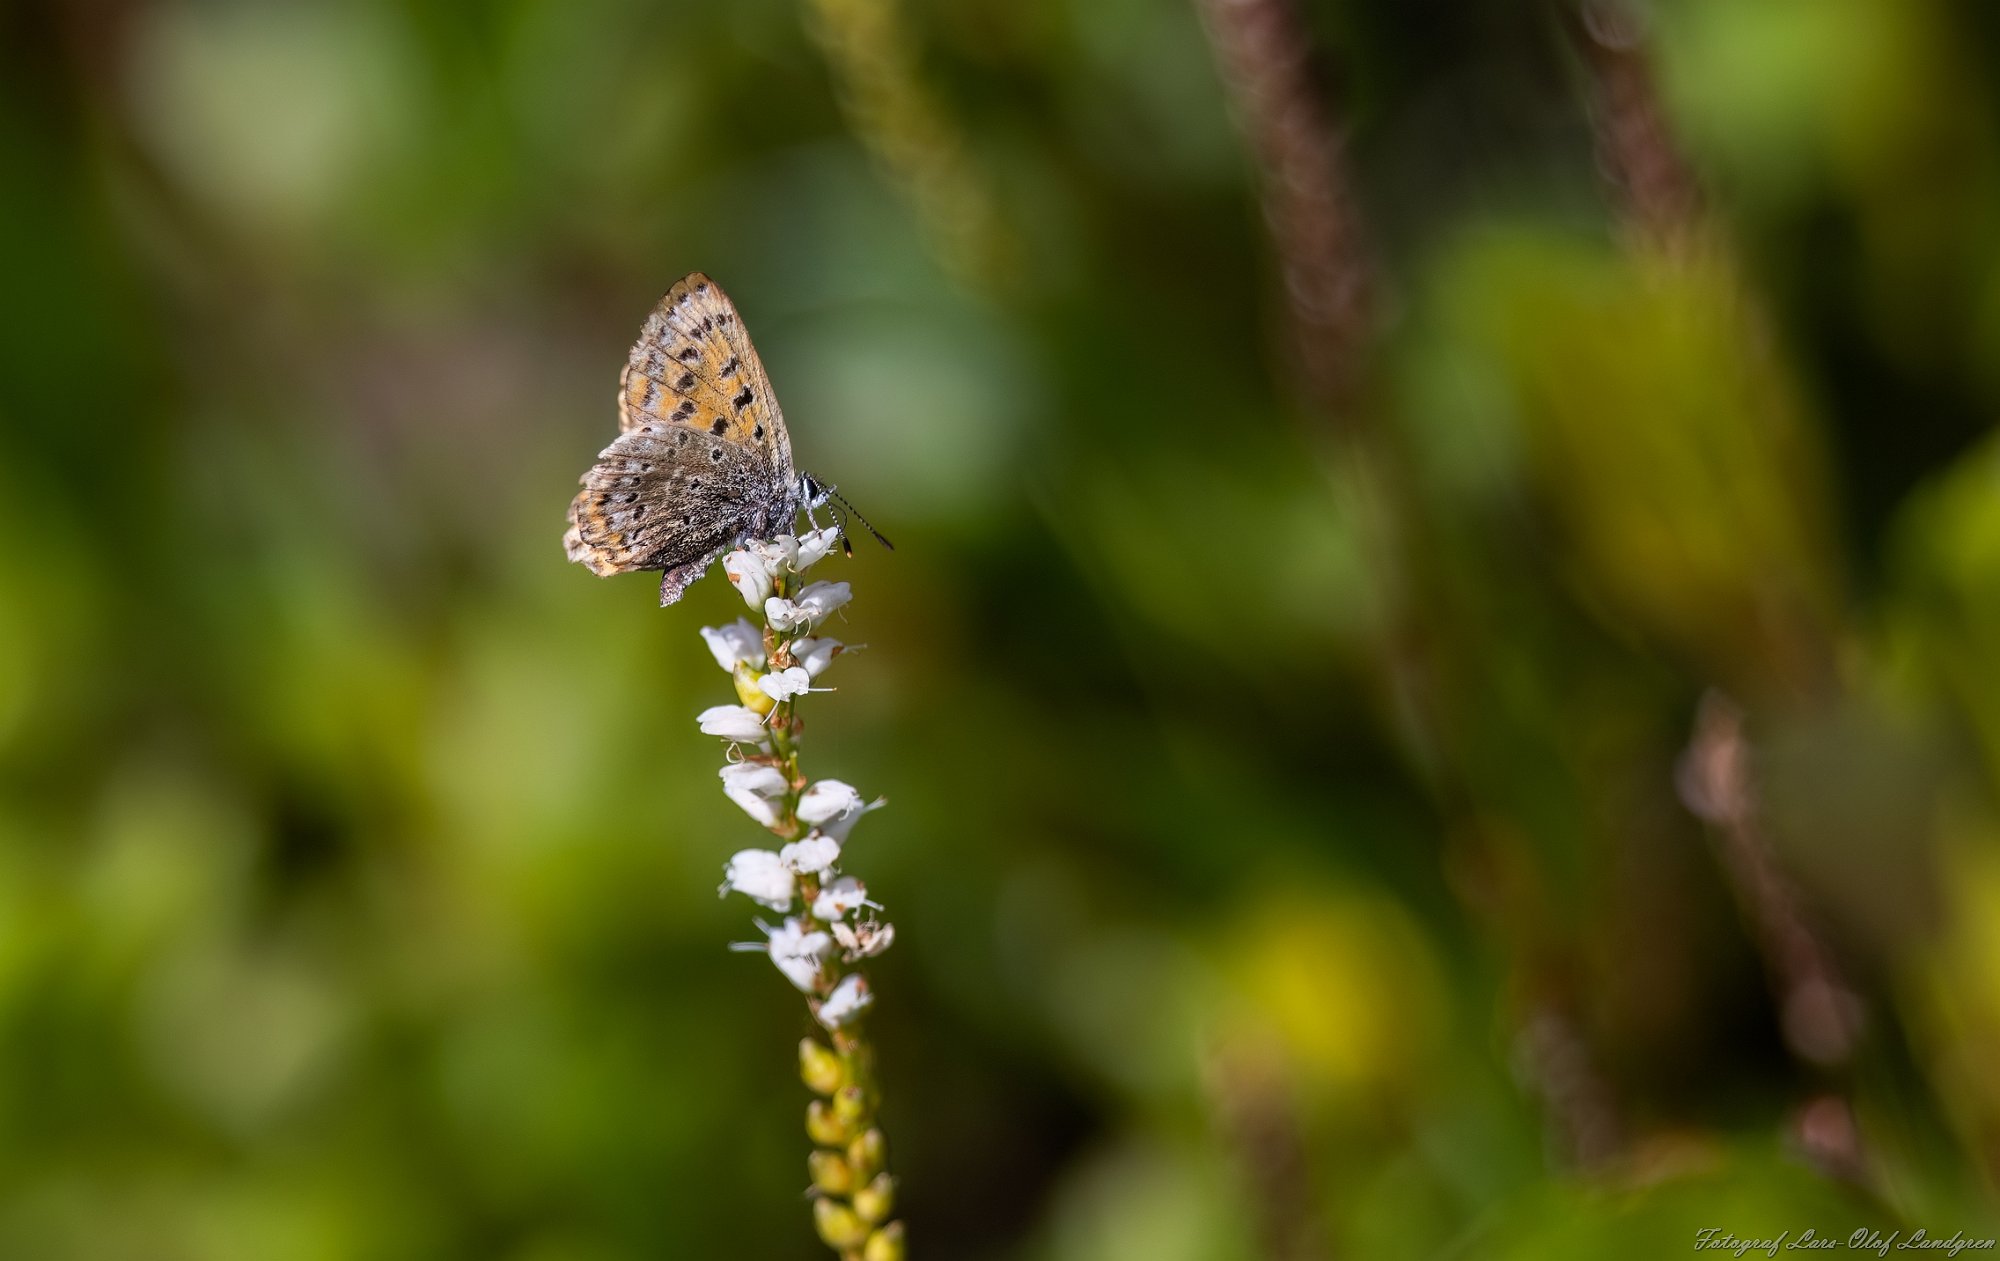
pixel 867 1154
pixel 851 1104
pixel 747 691
pixel 837 1224
pixel 824 1127
pixel 830 1173
pixel 820 1069
pixel 885 1244
pixel 877 1200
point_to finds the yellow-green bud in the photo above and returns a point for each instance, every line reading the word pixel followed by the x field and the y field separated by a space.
pixel 824 1126
pixel 885 1244
pixel 830 1173
pixel 877 1200
pixel 851 1104
pixel 820 1069
pixel 747 691
pixel 867 1154
pixel 838 1225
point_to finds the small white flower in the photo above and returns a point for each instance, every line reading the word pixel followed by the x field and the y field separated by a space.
pixel 734 644
pixel 838 898
pixel 833 807
pixel 734 722
pixel 860 941
pixel 748 573
pixel 811 856
pixel 756 787
pixel 822 598
pixel 827 799
pixel 816 654
pixel 848 1000
pixel 813 604
pixel 778 554
pixel 815 544
pixel 782 614
pixel 782 685
pixel 761 876
pixel 796 952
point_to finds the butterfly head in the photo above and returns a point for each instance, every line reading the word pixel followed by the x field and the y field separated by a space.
pixel 813 495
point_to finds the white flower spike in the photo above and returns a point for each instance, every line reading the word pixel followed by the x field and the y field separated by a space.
pixel 820 946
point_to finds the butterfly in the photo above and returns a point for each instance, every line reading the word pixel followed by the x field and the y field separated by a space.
pixel 702 461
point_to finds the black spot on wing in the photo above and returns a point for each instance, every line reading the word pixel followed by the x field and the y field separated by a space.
pixel 743 400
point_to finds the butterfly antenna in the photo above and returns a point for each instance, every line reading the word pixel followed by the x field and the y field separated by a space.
pixel 864 522
pixel 846 544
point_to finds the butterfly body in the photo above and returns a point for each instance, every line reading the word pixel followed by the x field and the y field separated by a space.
pixel 702 461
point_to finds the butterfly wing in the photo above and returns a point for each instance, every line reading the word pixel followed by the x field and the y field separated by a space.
pixel 694 367
pixel 666 497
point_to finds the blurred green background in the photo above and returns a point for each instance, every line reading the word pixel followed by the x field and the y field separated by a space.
pixel 1291 840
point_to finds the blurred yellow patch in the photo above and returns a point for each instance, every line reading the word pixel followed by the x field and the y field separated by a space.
pixel 1343 982
pixel 1959 985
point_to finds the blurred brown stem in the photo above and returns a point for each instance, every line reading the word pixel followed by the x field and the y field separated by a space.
pixel 1251 1095
pixel 1561 1067
pixel 1820 1014
pixel 1658 196
pixel 1264 54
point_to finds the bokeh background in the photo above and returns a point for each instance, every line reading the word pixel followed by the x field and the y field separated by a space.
pixel 1439 687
